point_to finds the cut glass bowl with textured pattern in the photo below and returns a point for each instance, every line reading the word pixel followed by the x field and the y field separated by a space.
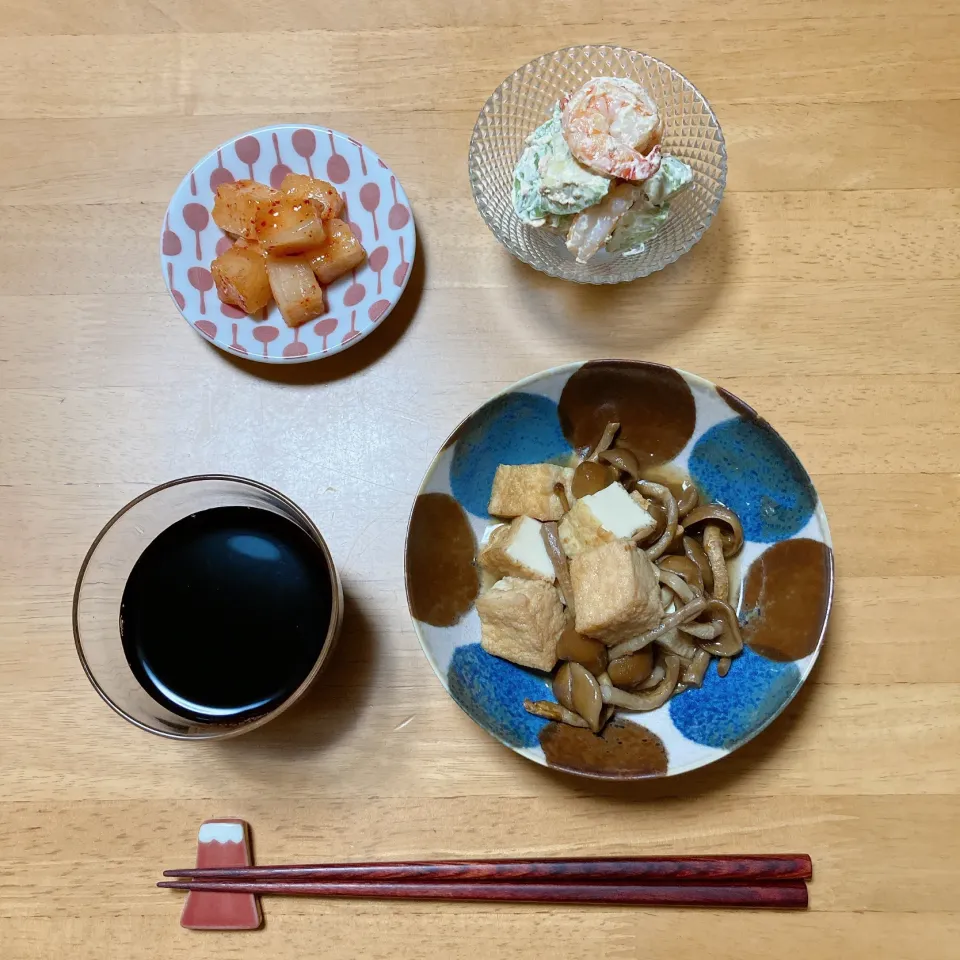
pixel 525 99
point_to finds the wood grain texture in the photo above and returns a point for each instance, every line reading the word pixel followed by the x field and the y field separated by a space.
pixel 826 294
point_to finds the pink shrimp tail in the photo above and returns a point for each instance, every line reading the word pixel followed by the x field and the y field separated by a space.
pixel 645 167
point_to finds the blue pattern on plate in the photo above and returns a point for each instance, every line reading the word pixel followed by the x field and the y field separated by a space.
pixel 746 465
pixel 726 710
pixel 492 692
pixel 516 428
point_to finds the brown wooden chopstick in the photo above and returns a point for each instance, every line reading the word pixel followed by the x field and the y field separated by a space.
pixel 785 894
pixel 704 869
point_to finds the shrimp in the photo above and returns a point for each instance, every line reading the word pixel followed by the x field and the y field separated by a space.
pixel 608 123
pixel 592 227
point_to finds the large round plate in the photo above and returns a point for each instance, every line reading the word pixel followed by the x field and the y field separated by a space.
pixel 376 207
pixel 783 578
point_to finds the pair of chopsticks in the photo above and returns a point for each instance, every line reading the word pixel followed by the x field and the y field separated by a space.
pixel 777 881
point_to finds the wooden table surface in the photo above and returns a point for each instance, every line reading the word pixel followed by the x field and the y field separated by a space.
pixel 826 294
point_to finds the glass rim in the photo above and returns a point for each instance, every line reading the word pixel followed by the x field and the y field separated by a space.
pixel 222 731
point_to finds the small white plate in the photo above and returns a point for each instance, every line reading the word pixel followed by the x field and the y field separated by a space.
pixel 376 207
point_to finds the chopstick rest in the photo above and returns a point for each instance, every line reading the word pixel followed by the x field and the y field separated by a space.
pixel 220 844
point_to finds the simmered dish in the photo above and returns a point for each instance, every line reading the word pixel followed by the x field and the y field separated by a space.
pixel 288 244
pixel 614 577
pixel 595 170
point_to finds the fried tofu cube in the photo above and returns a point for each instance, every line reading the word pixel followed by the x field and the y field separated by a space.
pixel 611 514
pixel 235 206
pixel 322 195
pixel 521 621
pixel 517 550
pixel 616 593
pixel 240 274
pixel 295 289
pixel 528 490
pixel 286 226
pixel 338 254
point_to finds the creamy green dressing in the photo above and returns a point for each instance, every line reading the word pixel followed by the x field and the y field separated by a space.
pixel 548 182
pixel 550 187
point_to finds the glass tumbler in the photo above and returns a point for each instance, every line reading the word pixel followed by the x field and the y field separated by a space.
pixel 103 576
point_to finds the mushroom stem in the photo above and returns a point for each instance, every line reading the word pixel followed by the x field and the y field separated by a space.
pixel 703 631
pixel 670 622
pixel 554 711
pixel 682 647
pixel 695 554
pixel 717 514
pixel 694 673
pixel 656 675
pixel 677 584
pixel 730 643
pixel 550 534
pixel 662 494
pixel 723 667
pixel 650 699
pixel 609 432
pixel 585 692
pixel 605 441
pixel 713 547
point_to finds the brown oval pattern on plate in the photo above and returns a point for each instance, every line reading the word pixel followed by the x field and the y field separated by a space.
pixel 737 405
pixel 652 403
pixel 624 751
pixel 442 580
pixel 786 597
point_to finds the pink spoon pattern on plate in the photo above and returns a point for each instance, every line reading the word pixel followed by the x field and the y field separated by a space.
pixel 377 309
pixel 280 169
pixel 355 228
pixel 202 281
pixel 221 174
pixel 178 297
pixel 378 260
pixel 305 143
pixel 265 335
pixel 363 162
pixel 295 348
pixel 400 274
pixel 370 200
pixel 170 246
pixel 355 293
pixel 353 332
pixel 323 328
pixel 208 328
pixel 229 310
pixel 236 344
pixel 399 215
pixel 195 216
pixel 338 170
pixel 247 150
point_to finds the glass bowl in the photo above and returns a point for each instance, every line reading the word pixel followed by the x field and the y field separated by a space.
pixel 525 99
pixel 103 576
